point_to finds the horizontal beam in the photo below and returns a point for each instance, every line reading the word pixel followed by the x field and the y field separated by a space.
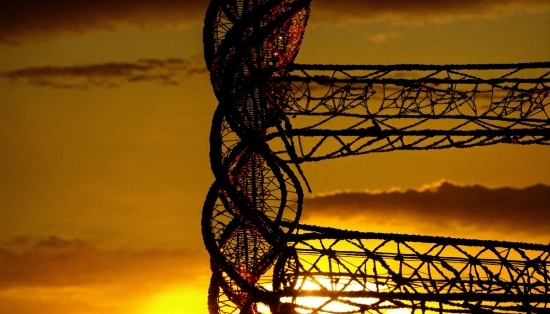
pixel 421 67
pixel 312 232
pixel 414 81
pixel 472 297
pixel 372 132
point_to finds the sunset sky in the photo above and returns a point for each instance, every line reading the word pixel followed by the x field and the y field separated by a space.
pixel 105 110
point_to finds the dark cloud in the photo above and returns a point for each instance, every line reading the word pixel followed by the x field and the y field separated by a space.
pixel 34 19
pixel 444 205
pixel 57 262
pixel 167 71
pixel 418 11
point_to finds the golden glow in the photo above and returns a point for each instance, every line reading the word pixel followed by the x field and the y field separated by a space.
pixel 175 300
pixel 310 304
pixel 398 311
pixel 263 309
pixel 127 166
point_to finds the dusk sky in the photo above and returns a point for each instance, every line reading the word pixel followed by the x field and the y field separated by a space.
pixel 105 110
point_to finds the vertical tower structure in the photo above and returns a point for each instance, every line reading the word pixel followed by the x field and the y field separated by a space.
pixel 274 115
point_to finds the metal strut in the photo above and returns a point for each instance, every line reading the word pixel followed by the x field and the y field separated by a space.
pixel 274 114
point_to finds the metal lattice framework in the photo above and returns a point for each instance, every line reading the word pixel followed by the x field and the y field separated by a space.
pixel 274 115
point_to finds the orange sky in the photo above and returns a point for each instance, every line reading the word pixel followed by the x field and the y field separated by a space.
pixel 105 109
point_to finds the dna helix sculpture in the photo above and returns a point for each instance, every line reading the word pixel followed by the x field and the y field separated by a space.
pixel 274 115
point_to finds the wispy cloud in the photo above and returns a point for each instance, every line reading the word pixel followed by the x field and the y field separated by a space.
pixel 58 262
pixel 57 275
pixel 33 19
pixel 167 71
pixel 443 207
pixel 384 37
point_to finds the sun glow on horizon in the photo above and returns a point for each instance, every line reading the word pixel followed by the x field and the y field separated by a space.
pixel 320 304
pixel 175 300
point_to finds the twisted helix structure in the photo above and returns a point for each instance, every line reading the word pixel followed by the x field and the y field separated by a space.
pixel 274 115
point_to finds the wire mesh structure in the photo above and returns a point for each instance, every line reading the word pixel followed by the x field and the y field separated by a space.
pixel 273 115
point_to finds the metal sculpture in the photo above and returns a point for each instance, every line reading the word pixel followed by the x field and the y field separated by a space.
pixel 274 115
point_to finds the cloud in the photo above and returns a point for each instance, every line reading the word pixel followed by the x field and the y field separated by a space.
pixel 443 207
pixel 418 11
pixel 58 262
pixel 384 37
pixel 34 19
pixel 167 71
pixel 57 275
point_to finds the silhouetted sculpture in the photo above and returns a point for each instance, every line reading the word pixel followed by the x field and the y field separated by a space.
pixel 274 115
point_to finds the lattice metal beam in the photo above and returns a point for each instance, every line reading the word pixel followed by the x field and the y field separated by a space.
pixel 273 113
pixel 341 110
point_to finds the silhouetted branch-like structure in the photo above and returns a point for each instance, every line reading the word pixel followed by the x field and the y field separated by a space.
pixel 274 115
